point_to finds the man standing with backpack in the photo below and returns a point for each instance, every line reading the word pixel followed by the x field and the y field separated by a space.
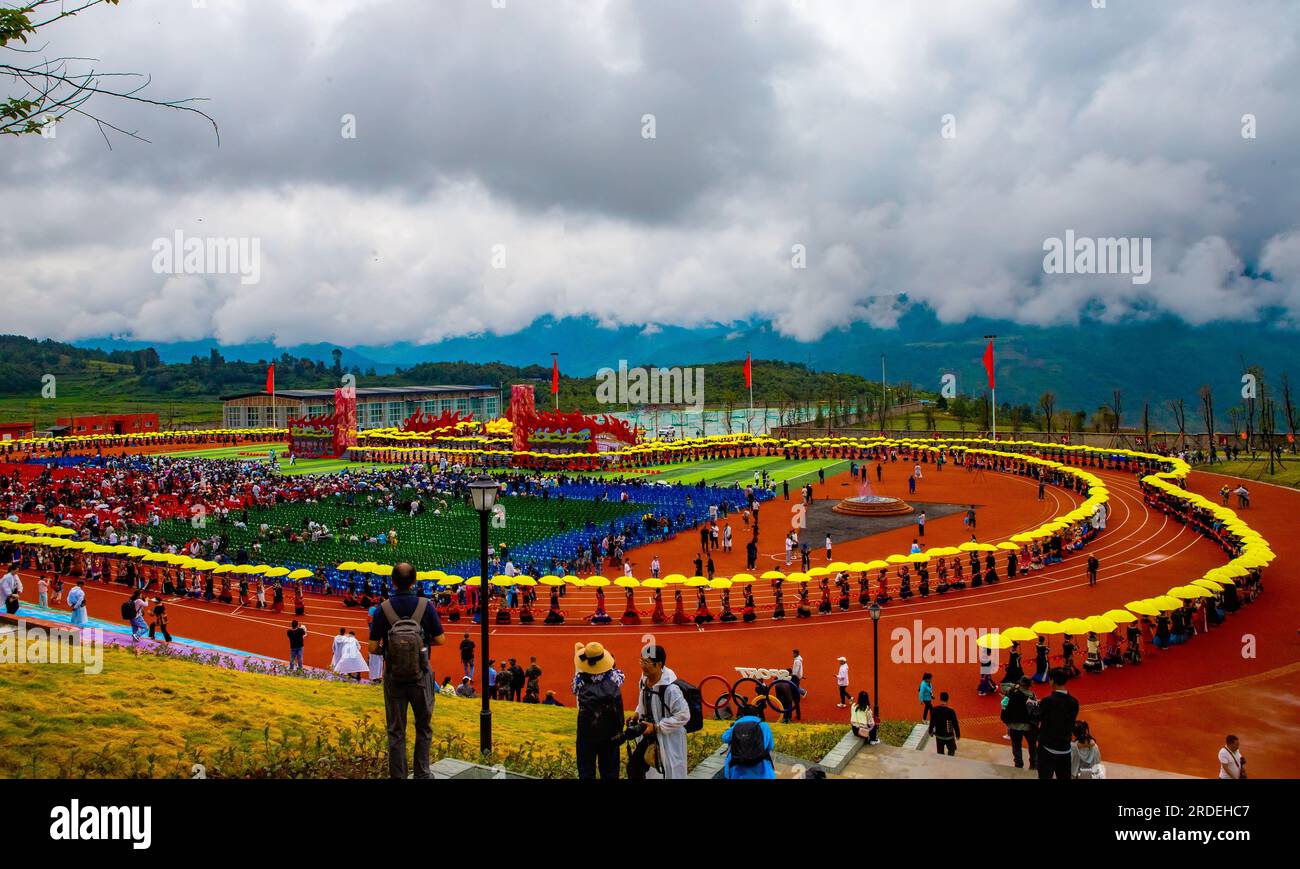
pixel 403 630
pixel 597 684
pixel 1020 715
pixel 662 709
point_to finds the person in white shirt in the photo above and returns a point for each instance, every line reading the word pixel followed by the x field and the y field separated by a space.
pixel 77 603
pixel 1231 763
pixel 842 680
pixel 10 585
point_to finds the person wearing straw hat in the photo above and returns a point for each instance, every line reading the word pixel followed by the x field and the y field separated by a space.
pixel 597 685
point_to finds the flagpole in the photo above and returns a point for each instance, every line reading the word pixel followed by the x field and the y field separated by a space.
pixel 993 390
pixel 749 429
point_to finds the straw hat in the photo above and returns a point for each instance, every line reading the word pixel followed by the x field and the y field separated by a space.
pixel 592 659
pixel 842 659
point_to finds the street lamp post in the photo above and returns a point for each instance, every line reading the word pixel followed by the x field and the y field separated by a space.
pixel 874 609
pixel 483 493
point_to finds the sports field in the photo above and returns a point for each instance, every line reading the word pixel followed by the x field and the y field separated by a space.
pixel 724 472
pixel 262 452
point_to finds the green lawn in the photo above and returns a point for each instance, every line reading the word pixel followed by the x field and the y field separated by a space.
pixel 106 388
pixel 1286 473
pixel 726 471
pixel 155 717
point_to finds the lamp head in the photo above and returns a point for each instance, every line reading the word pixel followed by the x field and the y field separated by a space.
pixel 483 494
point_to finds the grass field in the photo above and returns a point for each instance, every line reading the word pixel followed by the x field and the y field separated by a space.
pixel 151 716
pixel 106 388
pixel 1286 474
pixel 726 471
pixel 261 452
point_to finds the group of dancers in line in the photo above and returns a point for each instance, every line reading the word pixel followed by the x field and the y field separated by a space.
pixel 1169 628
pixel 167 582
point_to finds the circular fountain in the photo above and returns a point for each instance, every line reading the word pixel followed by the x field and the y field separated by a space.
pixel 872 506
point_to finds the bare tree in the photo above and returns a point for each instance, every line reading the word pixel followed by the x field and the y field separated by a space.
pixel 49 89
pixel 1047 404
pixel 1180 417
pixel 1207 414
pixel 1116 408
pixel 1289 410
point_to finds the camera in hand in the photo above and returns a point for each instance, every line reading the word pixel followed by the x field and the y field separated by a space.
pixel 635 729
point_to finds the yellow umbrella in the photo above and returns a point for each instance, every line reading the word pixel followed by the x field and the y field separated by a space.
pixel 551 580
pixel 474 582
pixel 720 582
pixel 1100 624
pixel 994 641
pixel 626 582
pixel 1075 626
pixel 574 580
pixel 797 577
pixel 1008 546
pixel 878 564
pixel 742 577
pixel 896 559
pixel 696 582
pixel 819 571
pixel 858 566
pixel 301 573
pixel 1208 583
pixel 1189 592
pixel 772 574
pixel 918 558
pixel 1019 634
pixel 969 546
pixel 1166 602
pixel 273 572
pixel 1046 627
pixel 349 565
pixel 837 566
pixel 382 570
pixel 451 579
pixel 502 580
pixel 674 579
pixel 598 581
pixel 1143 607
pixel 653 583
pixel 1121 617
pixel 525 579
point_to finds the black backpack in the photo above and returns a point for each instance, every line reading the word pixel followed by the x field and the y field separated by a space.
pixel 600 708
pixel 747 744
pixel 694 702
pixel 128 610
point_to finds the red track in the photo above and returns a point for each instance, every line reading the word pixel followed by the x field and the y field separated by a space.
pixel 1170 713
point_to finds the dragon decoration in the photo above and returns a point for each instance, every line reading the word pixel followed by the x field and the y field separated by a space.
pixel 419 422
pixel 326 435
pixel 559 431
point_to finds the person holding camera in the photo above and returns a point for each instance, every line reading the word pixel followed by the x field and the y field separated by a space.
pixel 661 718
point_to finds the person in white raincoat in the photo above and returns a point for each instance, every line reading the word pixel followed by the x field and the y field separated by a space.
pixel 350 661
pixel 661 704
pixel 339 642
pixel 1099 517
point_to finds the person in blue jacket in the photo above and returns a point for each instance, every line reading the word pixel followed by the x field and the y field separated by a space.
pixel 750 744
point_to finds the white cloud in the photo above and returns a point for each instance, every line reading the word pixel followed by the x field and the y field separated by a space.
pixel 490 135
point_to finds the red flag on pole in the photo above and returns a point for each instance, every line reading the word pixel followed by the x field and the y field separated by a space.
pixel 749 373
pixel 270 378
pixel 988 364
pixel 555 376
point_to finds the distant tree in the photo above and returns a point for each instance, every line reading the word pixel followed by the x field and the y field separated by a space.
pixel 1047 405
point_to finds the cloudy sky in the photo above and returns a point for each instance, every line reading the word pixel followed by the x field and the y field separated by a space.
pixel 501 170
